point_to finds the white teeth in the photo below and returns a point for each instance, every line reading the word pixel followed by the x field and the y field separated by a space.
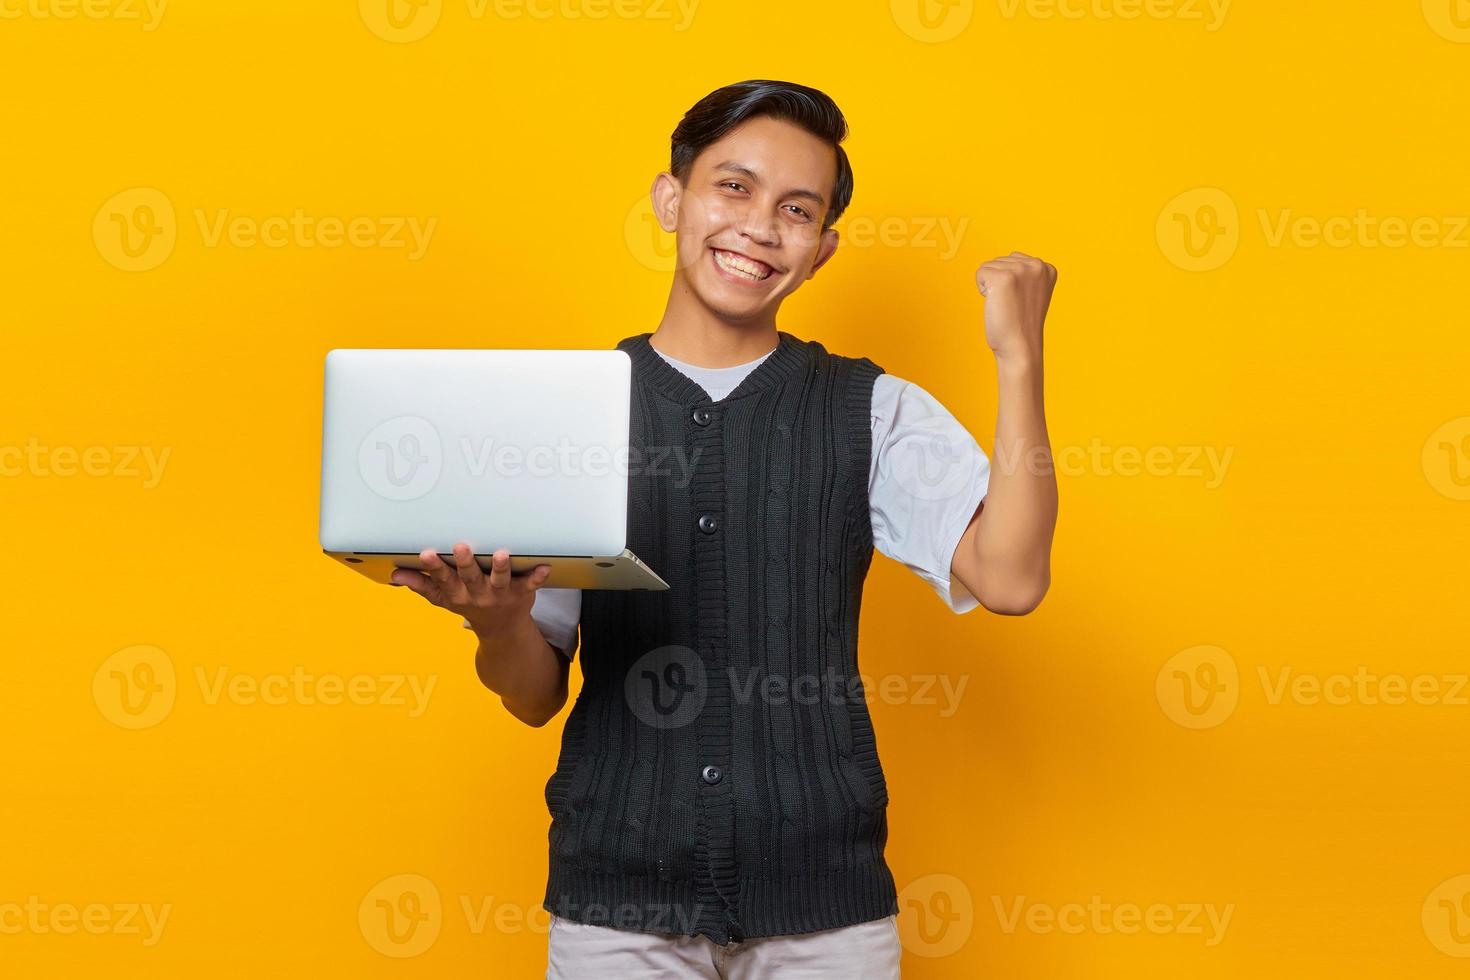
pixel 741 266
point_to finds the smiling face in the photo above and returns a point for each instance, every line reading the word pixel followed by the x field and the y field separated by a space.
pixel 748 218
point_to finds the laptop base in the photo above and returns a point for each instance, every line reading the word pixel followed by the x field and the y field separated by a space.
pixel 622 572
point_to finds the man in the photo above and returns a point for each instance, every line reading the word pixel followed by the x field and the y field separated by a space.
pixel 718 808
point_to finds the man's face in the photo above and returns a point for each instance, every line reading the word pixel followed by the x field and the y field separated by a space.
pixel 749 218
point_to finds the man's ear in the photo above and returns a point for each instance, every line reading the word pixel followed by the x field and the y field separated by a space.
pixel 825 250
pixel 665 194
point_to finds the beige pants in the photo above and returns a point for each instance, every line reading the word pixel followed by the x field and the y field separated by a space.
pixel 866 951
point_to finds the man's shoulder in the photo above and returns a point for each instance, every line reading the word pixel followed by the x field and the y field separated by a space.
pixel 854 363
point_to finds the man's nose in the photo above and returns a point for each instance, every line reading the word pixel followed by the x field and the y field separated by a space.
pixel 760 227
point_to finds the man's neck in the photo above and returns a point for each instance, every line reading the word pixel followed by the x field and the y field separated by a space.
pixel 689 332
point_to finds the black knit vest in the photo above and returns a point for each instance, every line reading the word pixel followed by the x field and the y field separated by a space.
pixel 718 773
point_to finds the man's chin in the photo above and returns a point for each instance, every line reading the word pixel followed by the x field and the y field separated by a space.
pixel 725 309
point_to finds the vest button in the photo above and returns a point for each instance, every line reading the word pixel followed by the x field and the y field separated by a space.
pixel 712 774
pixel 702 416
pixel 708 524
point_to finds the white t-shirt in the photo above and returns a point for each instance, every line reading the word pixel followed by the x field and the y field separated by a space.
pixel 926 478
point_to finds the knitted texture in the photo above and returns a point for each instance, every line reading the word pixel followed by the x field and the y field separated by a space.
pixel 718 773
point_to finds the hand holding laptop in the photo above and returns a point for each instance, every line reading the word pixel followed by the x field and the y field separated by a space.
pixel 489 602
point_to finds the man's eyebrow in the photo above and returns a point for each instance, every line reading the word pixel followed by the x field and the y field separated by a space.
pixel 731 166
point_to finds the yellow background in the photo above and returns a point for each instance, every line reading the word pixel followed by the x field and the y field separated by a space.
pixel 1074 766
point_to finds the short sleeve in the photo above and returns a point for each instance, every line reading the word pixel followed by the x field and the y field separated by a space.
pixel 557 613
pixel 927 478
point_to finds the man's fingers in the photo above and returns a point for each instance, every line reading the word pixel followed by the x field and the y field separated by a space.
pixel 416 581
pixel 1014 266
pixel 993 272
pixel 466 567
pixel 460 582
pixel 500 569
pixel 434 566
pixel 404 576
pixel 538 575
pixel 445 578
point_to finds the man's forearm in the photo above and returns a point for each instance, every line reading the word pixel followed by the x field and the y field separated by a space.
pixel 517 663
pixel 1013 537
pixel 1004 556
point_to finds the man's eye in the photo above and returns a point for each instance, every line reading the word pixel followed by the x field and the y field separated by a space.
pixel 733 183
pixel 799 210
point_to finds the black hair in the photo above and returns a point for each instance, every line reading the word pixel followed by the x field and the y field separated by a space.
pixel 725 108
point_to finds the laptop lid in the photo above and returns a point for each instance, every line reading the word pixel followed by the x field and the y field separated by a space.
pixel 519 449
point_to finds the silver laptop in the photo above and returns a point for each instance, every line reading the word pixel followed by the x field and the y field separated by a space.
pixel 525 450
